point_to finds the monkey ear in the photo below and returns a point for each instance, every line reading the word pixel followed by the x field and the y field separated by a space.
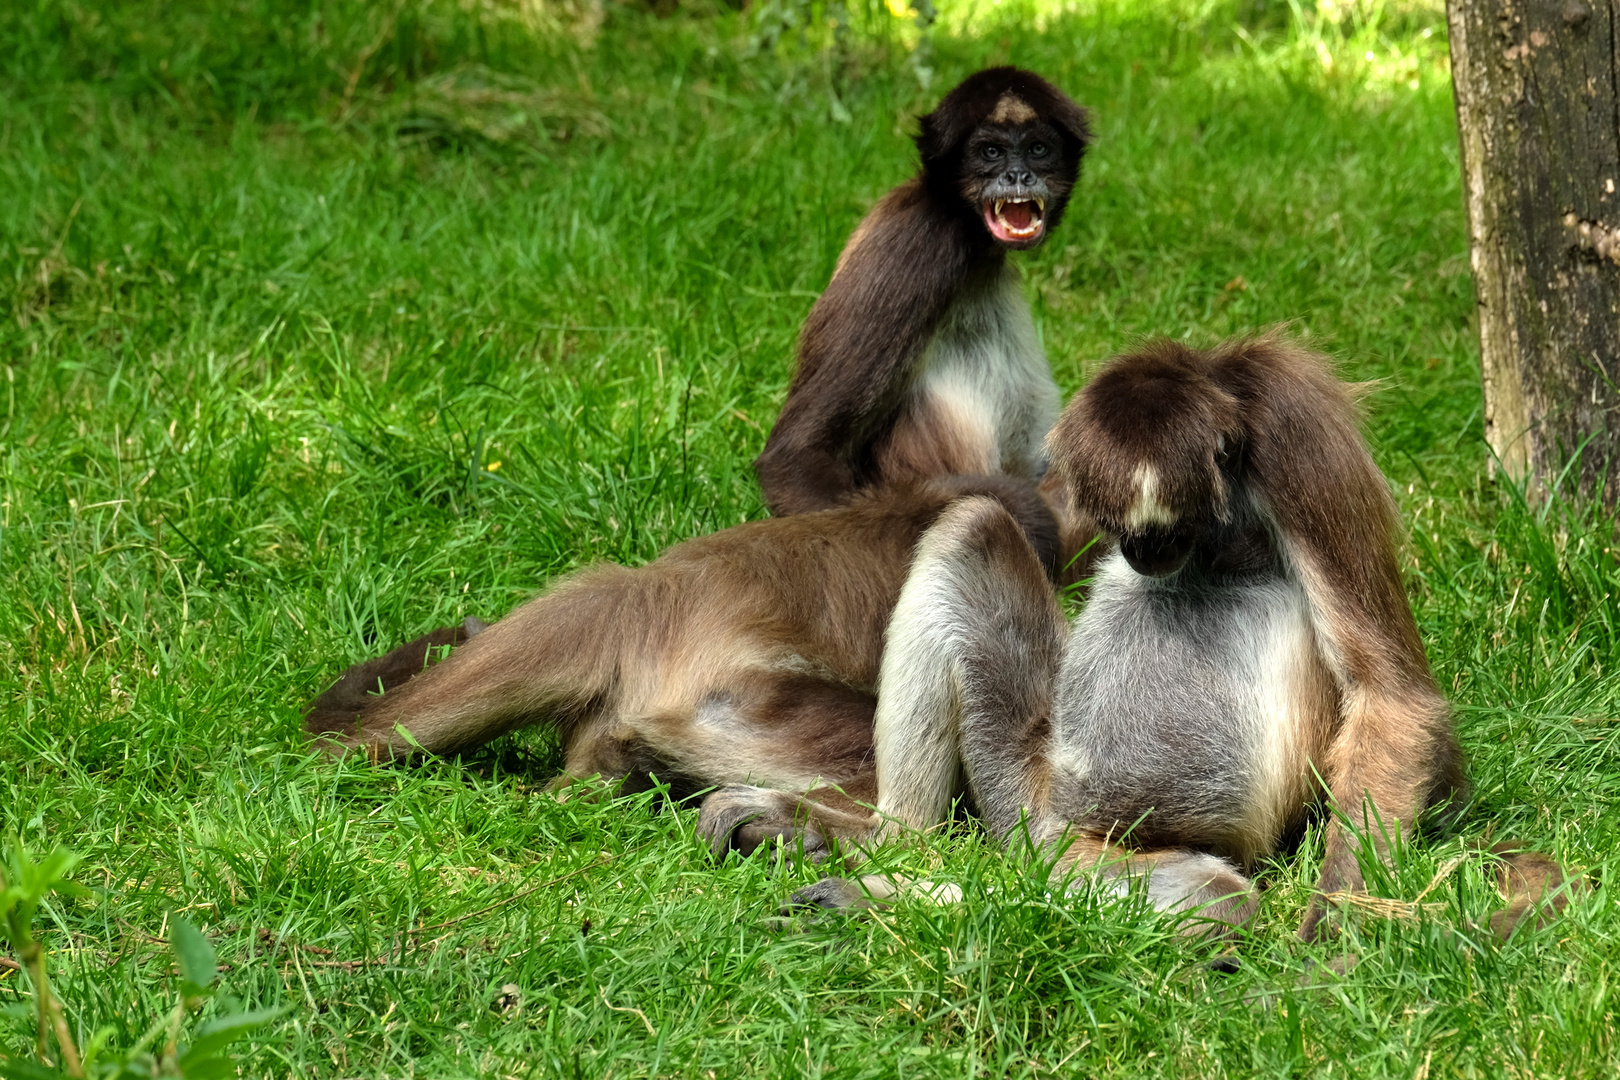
pixel 1072 119
pixel 943 130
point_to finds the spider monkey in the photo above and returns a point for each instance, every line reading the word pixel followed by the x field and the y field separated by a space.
pixel 750 655
pixel 1246 633
pixel 921 358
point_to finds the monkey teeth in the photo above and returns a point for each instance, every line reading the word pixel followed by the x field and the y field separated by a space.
pixel 1014 220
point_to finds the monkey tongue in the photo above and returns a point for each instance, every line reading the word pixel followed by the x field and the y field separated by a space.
pixel 1014 222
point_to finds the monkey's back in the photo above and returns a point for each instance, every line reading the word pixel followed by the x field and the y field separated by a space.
pixel 816 588
pixel 1177 706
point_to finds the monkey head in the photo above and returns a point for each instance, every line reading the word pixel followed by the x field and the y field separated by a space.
pixel 1006 146
pixel 1151 449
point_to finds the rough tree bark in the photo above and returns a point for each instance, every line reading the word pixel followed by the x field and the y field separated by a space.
pixel 1538 112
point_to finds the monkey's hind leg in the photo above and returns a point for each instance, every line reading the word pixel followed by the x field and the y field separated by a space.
pixel 964 693
pixel 965 689
pixel 554 658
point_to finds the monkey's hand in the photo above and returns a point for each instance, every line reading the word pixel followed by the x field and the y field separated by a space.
pixel 1535 887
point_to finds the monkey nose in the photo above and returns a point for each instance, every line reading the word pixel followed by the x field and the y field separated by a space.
pixel 1019 177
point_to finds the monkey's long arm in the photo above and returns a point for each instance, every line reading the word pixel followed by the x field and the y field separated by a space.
pixel 860 347
pixel 1394 751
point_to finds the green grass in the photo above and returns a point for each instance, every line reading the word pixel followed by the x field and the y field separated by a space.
pixel 324 323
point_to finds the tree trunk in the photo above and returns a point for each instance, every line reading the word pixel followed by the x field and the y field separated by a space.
pixel 1538 113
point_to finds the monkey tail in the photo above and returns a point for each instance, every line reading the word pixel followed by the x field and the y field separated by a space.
pixel 555 659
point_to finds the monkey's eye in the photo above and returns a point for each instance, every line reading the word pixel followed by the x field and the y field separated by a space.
pixel 992 152
pixel 1037 149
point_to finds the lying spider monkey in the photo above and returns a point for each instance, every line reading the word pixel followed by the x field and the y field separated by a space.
pixel 1245 634
pixel 747 656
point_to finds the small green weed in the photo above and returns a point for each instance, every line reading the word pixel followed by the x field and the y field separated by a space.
pixel 26 884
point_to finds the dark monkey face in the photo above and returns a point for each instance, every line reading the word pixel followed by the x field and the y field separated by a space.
pixel 1012 172
pixel 1158 539
pixel 1005 145
pixel 1157 552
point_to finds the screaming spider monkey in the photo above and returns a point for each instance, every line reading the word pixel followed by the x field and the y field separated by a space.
pixel 921 358
pixel 752 655
pixel 1246 634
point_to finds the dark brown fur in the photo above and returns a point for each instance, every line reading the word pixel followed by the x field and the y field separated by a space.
pixel 748 655
pixel 852 419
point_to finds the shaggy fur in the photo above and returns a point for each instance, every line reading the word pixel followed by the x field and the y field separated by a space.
pixel 920 359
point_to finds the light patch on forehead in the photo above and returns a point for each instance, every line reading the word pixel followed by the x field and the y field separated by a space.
pixel 1012 109
pixel 1147 509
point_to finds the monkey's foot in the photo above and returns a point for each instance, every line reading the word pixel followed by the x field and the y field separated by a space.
pixel 813 823
pixel 743 819
pixel 335 716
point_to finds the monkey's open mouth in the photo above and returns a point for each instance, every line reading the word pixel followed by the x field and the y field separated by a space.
pixel 1015 221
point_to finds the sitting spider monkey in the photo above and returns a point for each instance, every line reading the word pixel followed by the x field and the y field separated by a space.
pixel 921 358
pixel 1246 633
